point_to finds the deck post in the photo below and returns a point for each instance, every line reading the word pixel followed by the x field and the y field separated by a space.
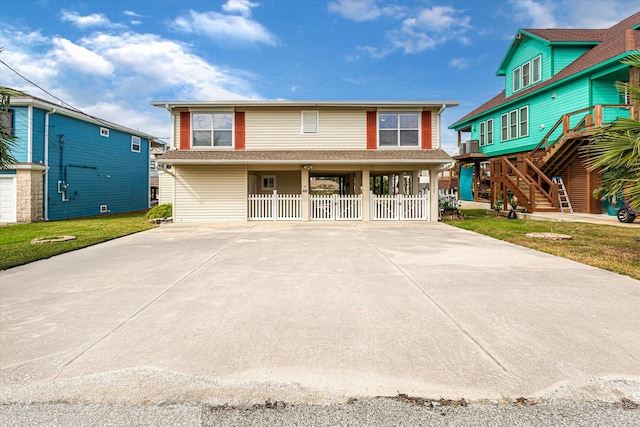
pixel 366 194
pixel 304 197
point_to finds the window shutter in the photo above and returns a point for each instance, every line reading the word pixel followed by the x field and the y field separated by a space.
pixel 185 130
pixel 426 131
pixel 371 130
pixel 309 122
pixel 239 130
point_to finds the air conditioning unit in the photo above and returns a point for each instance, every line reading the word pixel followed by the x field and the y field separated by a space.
pixel 472 146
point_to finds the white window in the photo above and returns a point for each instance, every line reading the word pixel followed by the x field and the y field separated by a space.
pixel 104 132
pixel 516 79
pixel 309 122
pixel 536 69
pixel 268 182
pixel 135 144
pixel 212 129
pixel 504 128
pixel 524 121
pixel 513 124
pixel 483 133
pixel 527 74
pixel 489 131
pixel 399 129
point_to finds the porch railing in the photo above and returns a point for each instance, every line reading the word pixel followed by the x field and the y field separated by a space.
pixel 335 207
pixel 400 207
pixel 280 207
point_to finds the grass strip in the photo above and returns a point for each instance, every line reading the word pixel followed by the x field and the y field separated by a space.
pixel 15 240
pixel 608 247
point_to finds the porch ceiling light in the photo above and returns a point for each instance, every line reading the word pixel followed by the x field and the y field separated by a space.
pixel 307 167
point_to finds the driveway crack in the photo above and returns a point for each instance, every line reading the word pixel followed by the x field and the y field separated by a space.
pixel 156 298
pixel 434 302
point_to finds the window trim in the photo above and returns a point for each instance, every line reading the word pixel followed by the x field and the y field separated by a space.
pixel 483 133
pixel 489 131
pixel 521 122
pixel 268 187
pixel 212 129
pixel 518 82
pixel 513 127
pixel 504 127
pixel 136 141
pixel 399 129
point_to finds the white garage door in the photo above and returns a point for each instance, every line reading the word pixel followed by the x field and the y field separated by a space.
pixel 7 198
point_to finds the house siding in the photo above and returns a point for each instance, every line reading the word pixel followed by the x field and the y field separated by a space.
pixel 210 193
pixel 287 182
pixel 21 123
pixel 565 55
pixel 281 130
pixel 166 184
pixel 99 170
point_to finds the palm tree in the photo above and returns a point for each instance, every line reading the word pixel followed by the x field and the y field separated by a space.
pixel 616 149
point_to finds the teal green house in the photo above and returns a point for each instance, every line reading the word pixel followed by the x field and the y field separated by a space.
pixel 70 164
pixel 559 85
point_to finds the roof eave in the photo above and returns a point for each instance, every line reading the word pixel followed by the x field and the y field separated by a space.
pixel 306 104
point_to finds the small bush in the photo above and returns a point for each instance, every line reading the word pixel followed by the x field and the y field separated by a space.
pixel 160 211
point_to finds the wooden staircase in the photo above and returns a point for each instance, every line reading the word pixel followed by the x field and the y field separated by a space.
pixel 527 175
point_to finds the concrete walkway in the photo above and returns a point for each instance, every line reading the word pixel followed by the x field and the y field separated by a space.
pixel 314 313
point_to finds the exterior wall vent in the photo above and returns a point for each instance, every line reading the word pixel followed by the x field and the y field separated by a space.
pixel 103 209
pixel 104 132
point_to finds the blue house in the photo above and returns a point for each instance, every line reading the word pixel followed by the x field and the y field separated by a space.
pixel 559 87
pixel 71 164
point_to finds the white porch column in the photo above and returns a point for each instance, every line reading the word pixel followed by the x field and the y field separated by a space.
pixel 366 190
pixel 433 194
pixel 304 197
pixel 415 182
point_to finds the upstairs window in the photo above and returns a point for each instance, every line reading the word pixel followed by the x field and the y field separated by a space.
pixel 212 129
pixel 527 74
pixel 309 122
pixel 489 131
pixel 399 129
pixel 514 124
pixel 135 144
pixel 486 132
pixel 6 122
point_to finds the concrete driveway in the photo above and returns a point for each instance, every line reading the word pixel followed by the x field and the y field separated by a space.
pixel 314 313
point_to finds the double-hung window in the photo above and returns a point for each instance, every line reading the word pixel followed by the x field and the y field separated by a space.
pixel 524 121
pixel 527 74
pixel 399 129
pixel 486 132
pixel 514 124
pixel 212 129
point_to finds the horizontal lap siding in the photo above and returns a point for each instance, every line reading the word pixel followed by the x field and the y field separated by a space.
pixel 210 193
pixel 281 130
pixel 166 182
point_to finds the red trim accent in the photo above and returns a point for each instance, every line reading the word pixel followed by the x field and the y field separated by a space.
pixel 239 130
pixel 185 130
pixel 372 130
pixel 426 130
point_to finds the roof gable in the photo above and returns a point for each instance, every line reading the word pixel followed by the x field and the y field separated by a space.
pixel 617 42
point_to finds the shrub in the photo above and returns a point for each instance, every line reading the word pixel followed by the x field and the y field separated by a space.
pixel 160 211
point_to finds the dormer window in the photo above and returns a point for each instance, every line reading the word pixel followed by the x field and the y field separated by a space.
pixel 527 74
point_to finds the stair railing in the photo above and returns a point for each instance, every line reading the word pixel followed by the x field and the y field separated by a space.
pixel 552 194
pixel 526 200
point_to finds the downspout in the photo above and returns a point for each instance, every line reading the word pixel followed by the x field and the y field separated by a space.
pixel 46 163
pixel 440 125
pixel 30 134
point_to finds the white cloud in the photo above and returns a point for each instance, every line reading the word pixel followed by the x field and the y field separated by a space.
pixel 569 13
pixel 132 14
pixel 224 27
pixel 115 76
pixel 356 10
pixel 459 63
pixel 93 20
pixel 71 56
pixel 243 7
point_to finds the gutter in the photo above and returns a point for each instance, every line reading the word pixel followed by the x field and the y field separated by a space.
pixel 300 162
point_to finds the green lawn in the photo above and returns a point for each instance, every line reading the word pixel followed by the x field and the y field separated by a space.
pixel 15 240
pixel 605 246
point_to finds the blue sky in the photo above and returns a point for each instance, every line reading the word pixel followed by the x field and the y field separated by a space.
pixel 111 58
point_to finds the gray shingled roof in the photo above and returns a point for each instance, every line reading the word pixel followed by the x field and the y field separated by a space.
pixel 305 156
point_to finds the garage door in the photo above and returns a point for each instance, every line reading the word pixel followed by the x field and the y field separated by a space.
pixel 7 198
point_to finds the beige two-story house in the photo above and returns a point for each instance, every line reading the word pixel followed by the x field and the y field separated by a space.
pixel 262 160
